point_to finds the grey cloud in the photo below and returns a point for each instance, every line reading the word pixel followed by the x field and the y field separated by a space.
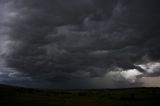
pixel 59 41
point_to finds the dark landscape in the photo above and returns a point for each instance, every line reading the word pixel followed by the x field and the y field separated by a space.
pixel 63 52
pixel 18 96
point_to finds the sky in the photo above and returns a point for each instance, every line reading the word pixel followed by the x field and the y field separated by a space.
pixel 68 44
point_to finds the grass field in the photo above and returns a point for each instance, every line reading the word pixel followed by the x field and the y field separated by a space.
pixel 16 96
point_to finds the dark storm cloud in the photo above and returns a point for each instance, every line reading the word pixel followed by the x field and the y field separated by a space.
pixel 59 40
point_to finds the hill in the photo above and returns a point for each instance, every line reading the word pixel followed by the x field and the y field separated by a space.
pixel 18 96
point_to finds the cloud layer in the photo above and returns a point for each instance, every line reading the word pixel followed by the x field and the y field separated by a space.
pixel 77 41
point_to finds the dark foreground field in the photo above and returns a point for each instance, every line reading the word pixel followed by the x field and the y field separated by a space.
pixel 15 96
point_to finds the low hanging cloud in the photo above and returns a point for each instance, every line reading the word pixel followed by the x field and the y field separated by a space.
pixel 62 43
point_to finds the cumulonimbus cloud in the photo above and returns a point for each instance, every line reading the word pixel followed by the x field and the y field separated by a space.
pixel 59 40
